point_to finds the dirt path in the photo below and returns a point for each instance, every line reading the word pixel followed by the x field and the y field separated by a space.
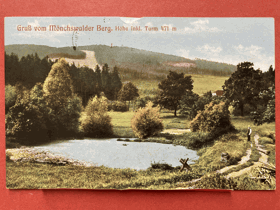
pixel 262 160
pixel 176 131
pixel 243 160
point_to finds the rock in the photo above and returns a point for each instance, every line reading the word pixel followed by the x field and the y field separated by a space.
pixel 225 157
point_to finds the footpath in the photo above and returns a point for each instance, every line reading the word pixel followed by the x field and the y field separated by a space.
pixel 263 160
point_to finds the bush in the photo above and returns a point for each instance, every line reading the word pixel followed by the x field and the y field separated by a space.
pixel 118 106
pixel 10 97
pixel 65 123
pixel 214 117
pixel 95 121
pixel 142 102
pixel 197 139
pixel 146 122
pixel 26 121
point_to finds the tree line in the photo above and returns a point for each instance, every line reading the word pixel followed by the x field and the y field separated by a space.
pixel 87 83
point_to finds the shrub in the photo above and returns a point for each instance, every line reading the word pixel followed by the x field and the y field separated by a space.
pixel 26 121
pixel 197 139
pixel 65 123
pixel 214 117
pixel 10 97
pixel 95 121
pixel 118 106
pixel 142 102
pixel 146 122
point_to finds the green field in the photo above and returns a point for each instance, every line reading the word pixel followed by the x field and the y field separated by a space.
pixel 201 83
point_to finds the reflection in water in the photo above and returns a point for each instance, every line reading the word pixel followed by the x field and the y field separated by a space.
pixel 117 154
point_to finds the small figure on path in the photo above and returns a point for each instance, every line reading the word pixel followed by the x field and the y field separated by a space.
pixel 249 132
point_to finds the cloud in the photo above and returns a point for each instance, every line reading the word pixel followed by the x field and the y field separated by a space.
pixel 253 51
pixel 200 26
pixel 256 55
pixel 184 53
pixel 128 22
pixel 207 49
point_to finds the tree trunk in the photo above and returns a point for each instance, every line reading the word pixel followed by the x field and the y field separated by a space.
pixel 175 112
pixel 242 109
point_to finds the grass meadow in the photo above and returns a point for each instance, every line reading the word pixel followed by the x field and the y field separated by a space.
pixel 202 84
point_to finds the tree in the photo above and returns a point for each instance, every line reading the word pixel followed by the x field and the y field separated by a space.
pixel 128 92
pixel 265 112
pixel 116 83
pixel 58 85
pixel 146 122
pixel 172 89
pixel 189 104
pixel 244 86
pixel 65 107
pixel 95 121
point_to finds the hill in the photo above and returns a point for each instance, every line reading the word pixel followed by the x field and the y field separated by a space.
pixel 42 51
pixel 133 63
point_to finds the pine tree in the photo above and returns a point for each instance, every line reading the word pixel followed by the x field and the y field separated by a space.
pixel 116 83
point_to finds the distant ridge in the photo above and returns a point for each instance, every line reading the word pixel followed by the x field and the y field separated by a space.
pixel 128 59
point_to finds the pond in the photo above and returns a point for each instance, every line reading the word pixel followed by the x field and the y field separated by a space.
pixel 118 154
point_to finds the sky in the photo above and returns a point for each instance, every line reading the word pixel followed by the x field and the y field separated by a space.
pixel 227 40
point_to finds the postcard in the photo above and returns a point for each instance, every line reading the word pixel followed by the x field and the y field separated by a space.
pixel 150 103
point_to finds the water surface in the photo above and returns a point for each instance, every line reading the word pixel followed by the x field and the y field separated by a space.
pixel 120 154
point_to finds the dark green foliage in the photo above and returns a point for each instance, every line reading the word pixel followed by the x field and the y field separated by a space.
pixel 244 86
pixel 195 140
pixel 189 104
pixel 28 70
pixel 265 112
pixel 172 89
pixel 117 106
pixel 161 166
pixel 142 102
pixel 116 84
pixel 26 119
pixel 128 92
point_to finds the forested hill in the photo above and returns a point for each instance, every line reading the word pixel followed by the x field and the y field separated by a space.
pixel 133 63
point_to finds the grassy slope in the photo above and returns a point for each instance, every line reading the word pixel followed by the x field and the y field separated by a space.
pixel 202 84
pixel 120 55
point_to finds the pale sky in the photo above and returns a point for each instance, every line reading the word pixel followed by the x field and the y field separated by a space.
pixel 228 40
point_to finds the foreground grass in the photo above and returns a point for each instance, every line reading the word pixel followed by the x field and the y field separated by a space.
pixel 37 176
pixel 210 157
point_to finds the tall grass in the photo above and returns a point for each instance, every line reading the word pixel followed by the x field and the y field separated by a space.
pixel 46 176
